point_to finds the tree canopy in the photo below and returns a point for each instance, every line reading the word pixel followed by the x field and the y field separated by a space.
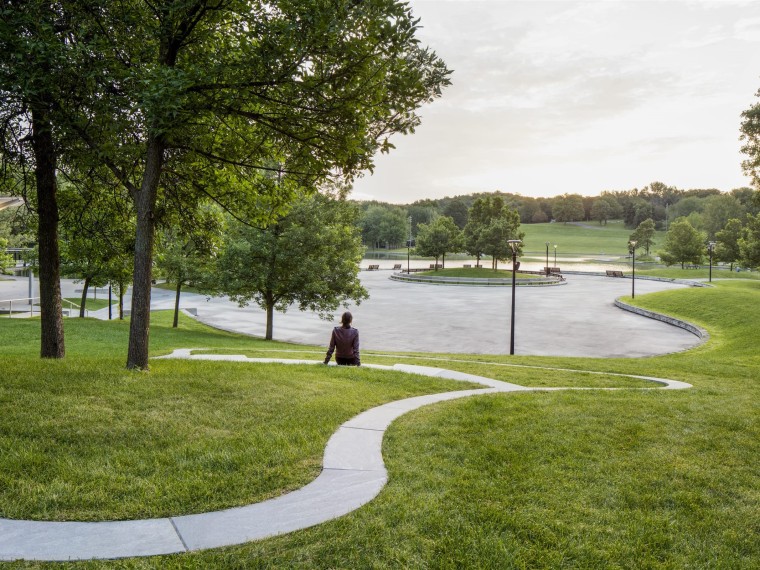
pixel 310 258
pixel 683 244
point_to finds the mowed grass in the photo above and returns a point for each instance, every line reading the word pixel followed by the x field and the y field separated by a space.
pixel 85 439
pixel 576 479
pixel 580 238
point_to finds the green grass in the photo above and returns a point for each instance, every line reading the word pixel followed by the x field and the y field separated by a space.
pixel 676 272
pixel 588 238
pixel 577 479
pixel 90 305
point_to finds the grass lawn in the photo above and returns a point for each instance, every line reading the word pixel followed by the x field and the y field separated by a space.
pixel 571 479
pixel 91 305
pixel 584 238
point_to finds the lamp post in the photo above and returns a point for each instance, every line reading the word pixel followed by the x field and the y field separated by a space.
pixel 555 255
pixel 632 247
pixel 514 244
pixel 711 248
pixel 408 245
pixel 547 258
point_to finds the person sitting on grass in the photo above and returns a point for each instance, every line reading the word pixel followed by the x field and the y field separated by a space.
pixel 346 340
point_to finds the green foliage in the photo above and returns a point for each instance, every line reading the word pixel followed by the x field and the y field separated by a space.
pixel 6 260
pixel 384 225
pixel 683 244
pixel 491 223
pixel 727 246
pixel 568 208
pixel 644 235
pixel 439 237
pixel 310 258
pixel 749 243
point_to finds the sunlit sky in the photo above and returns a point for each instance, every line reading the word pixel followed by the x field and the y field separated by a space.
pixel 551 97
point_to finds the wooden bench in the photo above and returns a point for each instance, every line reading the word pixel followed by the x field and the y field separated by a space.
pixel 549 270
pixel 373 267
pixel 397 267
pixel 436 266
pixel 467 266
pixel 613 273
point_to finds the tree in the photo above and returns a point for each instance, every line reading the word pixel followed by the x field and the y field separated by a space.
pixel 457 210
pixel 220 94
pixel 683 244
pixel 727 246
pixel 186 252
pixel 568 208
pixel 384 225
pixel 186 100
pixel 718 210
pixel 309 257
pixel 601 211
pixel 644 235
pixel 439 237
pixel 6 260
pixel 749 243
pixel 495 236
pixel 37 78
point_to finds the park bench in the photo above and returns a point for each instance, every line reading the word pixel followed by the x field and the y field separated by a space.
pixel 613 273
pixel 397 267
pixel 467 266
pixel 549 270
pixel 373 267
pixel 436 266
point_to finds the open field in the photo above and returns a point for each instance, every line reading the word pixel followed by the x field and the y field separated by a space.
pixel 575 479
pixel 581 238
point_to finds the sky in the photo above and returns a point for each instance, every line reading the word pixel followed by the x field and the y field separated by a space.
pixel 549 97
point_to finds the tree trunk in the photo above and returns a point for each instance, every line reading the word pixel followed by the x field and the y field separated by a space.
pixel 122 288
pixel 176 302
pixel 270 321
pixel 51 313
pixel 145 202
pixel 83 302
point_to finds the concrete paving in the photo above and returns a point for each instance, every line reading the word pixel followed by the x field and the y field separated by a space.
pixel 575 319
pixel 353 474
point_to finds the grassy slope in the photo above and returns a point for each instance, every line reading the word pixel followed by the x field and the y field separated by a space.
pixel 84 439
pixel 624 479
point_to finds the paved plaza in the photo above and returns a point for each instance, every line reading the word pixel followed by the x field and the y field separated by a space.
pixel 574 319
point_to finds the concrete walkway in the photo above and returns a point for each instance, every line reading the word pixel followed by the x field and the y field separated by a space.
pixel 353 474
pixel 576 319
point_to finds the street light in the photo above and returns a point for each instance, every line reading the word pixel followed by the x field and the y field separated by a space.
pixel 547 258
pixel 555 255
pixel 408 246
pixel 711 248
pixel 514 244
pixel 632 248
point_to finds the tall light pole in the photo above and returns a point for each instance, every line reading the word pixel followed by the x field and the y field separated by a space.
pixel 408 245
pixel 547 258
pixel 711 248
pixel 632 247
pixel 555 255
pixel 514 244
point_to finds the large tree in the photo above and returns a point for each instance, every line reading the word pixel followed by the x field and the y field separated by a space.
pixel 439 237
pixel 727 246
pixel 749 243
pixel 683 244
pixel 568 208
pixel 187 251
pixel 189 99
pixel 644 235
pixel 309 258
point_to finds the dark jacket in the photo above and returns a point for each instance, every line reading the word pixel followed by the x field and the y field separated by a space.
pixel 346 341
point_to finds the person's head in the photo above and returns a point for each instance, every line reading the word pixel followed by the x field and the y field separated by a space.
pixel 346 319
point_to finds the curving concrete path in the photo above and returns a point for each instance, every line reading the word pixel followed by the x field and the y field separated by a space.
pixel 353 474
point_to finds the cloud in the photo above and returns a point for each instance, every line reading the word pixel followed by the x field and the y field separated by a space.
pixel 549 97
